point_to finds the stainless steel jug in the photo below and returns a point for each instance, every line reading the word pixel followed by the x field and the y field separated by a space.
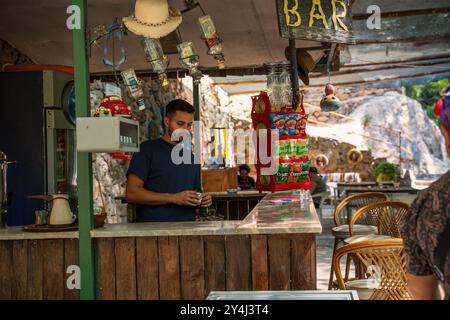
pixel 3 188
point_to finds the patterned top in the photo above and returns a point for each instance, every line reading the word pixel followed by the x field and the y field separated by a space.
pixel 426 233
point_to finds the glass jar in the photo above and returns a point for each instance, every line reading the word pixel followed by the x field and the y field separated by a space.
pixel 273 87
pixel 285 84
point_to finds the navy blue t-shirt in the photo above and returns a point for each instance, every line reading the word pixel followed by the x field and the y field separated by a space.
pixel 153 164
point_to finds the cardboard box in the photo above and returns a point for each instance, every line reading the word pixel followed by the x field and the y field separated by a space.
pixel 220 179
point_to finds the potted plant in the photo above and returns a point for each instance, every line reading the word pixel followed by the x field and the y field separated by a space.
pixel 386 171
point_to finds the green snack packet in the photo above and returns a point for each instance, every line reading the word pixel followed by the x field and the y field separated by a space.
pixel 303 176
pixel 283 173
pixel 276 149
pixel 302 148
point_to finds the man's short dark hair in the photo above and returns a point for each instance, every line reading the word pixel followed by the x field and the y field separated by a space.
pixel 179 105
pixel 244 167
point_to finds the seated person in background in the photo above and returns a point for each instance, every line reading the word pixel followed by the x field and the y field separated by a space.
pixel 244 181
pixel 318 185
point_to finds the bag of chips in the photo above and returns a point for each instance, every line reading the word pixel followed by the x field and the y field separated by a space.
pixel 301 124
pixel 277 121
pixel 302 147
pixel 282 173
pixel 291 123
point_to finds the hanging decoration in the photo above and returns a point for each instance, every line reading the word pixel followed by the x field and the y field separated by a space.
pixel 134 88
pixel 189 59
pixel 155 56
pixel 330 102
pixel 321 160
pixel 212 40
pixel 354 156
pixel 153 19
pixel 114 33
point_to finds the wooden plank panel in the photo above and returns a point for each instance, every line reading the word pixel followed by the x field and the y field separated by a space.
pixel 279 262
pixel 6 269
pixel 169 268
pixel 192 267
pixel 215 273
pixel 19 285
pixel 147 268
pixel 107 268
pixel 35 270
pixel 303 266
pixel 125 251
pixel 71 257
pixel 53 269
pixel 260 267
pixel 238 262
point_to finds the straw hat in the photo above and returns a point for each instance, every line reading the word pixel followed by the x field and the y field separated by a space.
pixel 153 18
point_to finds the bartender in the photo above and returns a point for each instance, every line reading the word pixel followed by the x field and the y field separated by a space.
pixel 161 189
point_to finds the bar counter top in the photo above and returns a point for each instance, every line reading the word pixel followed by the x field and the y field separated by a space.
pixel 277 213
pixel 17 233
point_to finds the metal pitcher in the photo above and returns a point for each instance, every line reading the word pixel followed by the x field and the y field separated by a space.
pixel 3 188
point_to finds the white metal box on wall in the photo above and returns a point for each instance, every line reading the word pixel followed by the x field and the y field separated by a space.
pixel 107 134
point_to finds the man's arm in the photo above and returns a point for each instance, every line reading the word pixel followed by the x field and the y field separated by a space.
pixel 136 193
pixel 312 187
pixel 424 287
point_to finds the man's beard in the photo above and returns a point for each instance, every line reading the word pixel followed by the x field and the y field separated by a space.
pixel 170 132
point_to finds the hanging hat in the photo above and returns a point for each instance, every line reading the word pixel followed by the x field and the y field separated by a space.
pixel 153 18
pixel 305 63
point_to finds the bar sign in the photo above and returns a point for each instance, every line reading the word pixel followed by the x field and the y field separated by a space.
pixel 317 20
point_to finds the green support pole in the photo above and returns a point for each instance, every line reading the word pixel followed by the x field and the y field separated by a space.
pixel 84 160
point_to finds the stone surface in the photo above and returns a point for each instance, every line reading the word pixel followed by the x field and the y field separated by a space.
pixel 266 218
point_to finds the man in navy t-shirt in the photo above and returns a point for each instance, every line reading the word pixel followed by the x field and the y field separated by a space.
pixel 162 188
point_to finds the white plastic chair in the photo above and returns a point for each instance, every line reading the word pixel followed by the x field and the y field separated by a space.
pixel 322 196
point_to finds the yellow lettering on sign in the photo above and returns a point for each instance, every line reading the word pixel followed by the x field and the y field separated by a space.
pixel 313 15
pixel 337 18
pixel 292 11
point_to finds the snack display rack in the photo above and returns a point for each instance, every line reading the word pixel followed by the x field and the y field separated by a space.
pixel 289 154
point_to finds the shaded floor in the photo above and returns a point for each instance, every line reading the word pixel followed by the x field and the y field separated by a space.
pixel 325 249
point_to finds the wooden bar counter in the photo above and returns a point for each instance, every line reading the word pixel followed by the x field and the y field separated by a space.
pixel 273 248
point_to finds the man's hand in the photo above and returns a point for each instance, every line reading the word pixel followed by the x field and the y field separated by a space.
pixel 206 200
pixel 186 198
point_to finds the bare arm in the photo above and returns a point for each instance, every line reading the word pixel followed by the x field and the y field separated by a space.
pixel 313 187
pixel 136 193
pixel 424 287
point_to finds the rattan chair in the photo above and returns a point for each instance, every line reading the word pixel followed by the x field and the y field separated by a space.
pixel 386 261
pixel 387 216
pixel 341 231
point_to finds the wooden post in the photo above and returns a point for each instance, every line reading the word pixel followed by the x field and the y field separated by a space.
pixel 84 160
pixel 294 73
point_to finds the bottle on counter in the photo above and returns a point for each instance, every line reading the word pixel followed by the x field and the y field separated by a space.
pixel 203 212
pixel 133 87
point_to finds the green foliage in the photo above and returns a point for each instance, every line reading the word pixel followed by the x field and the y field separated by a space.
pixel 428 94
pixel 387 169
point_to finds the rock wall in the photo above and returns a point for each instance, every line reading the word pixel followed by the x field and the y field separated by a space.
pixel 336 152
pixel 10 55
